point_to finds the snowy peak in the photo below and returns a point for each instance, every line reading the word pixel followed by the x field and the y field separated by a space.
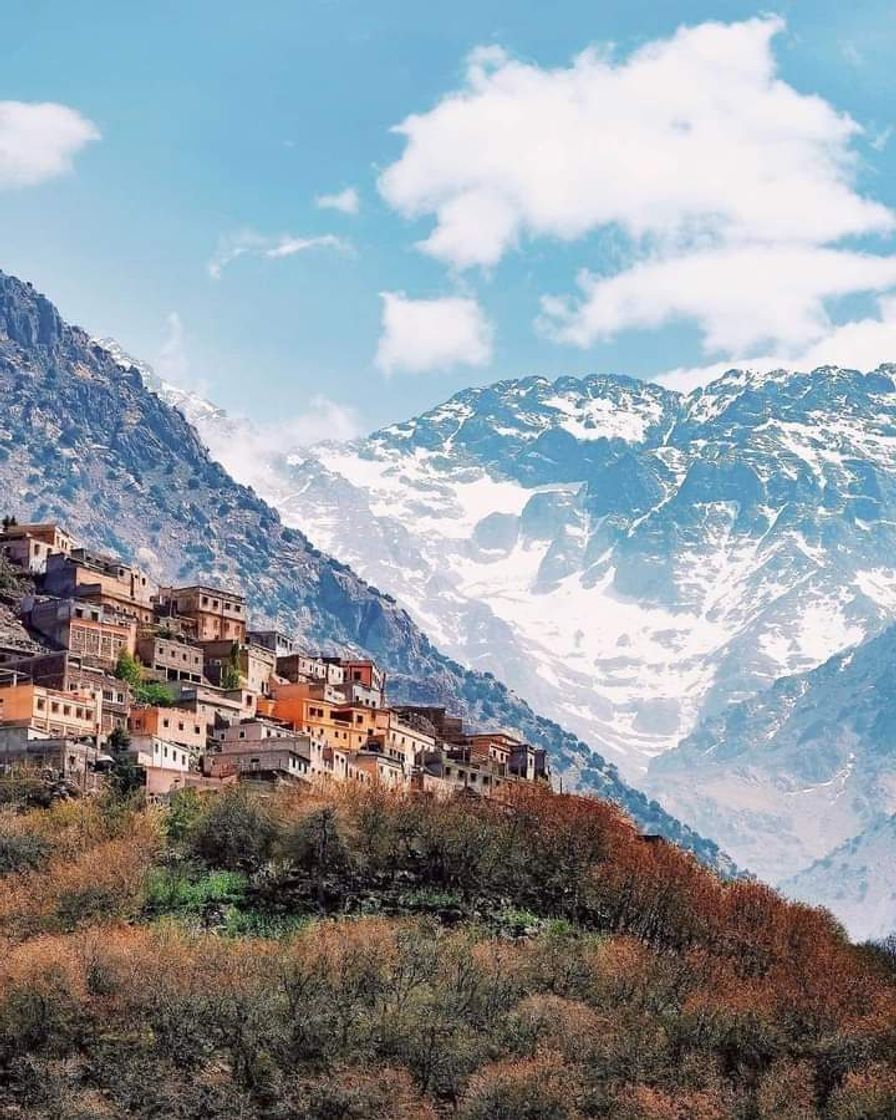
pixel 537 429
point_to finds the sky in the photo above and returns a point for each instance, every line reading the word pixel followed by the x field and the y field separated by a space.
pixel 333 214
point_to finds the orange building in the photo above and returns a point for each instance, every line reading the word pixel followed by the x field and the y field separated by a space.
pixel 173 725
pixel 71 714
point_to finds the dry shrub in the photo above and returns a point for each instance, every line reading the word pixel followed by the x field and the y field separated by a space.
pixel 361 1094
pixel 787 1092
pixel 95 883
pixel 549 1023
pixel 644 1102
pixel 866 1094
pixel 538 1088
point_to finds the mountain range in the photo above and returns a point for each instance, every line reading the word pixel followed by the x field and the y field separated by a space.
pixel 83 440
pixel 661 572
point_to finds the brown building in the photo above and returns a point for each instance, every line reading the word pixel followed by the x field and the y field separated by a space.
pixel 28 546
pixel 254 664
pixel 74 759
pixel 101 579
pixel 90 630
pixel 296 667
pixel 60 714
pixel 173 659
pixel 280 644
pixel 67 672
pixel 172 725
pixel 218 614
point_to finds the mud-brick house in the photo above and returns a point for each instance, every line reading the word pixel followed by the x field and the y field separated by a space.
pixel 173 725
pixel 29 546
pixel 106 581
pixel 49 711
pixel 90 630
pixel 171 658
pixel 218 614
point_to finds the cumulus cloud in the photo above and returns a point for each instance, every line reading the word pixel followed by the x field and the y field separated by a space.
pixel 861 344
pixel 347 201
pixel 234 245
pixel 248 450
pixel 732 192
pixel 39 140
pixel 742 297
pixel 421 335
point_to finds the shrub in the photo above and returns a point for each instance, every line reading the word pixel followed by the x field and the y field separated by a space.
pixel 235 831
pixel 24 852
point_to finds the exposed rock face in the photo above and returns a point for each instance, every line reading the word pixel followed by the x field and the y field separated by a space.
pixel 85 442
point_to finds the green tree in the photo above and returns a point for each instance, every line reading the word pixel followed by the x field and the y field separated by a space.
pixel 127 669
pixel 230 672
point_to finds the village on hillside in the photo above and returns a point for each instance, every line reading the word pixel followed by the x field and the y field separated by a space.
pixel 174 684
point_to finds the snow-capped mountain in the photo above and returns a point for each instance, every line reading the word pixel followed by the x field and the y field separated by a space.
pixel 632 560
pixel 802 775
pixel 857 881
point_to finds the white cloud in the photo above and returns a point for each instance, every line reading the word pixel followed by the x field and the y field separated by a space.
pixel 741 297
pixel 420 335
pixel 234 245
pixel 347 201
pixel 172 363
pixel 862 344
pixel 247 449
pixel 730 191
pixel 39 140
pixel 689 136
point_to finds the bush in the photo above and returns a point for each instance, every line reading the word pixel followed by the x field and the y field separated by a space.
pixel 22 853
pixel 235 832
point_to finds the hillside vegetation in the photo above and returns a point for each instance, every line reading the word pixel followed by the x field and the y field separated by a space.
pixel 339 953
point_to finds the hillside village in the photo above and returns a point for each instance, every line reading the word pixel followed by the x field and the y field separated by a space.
pixel 175 685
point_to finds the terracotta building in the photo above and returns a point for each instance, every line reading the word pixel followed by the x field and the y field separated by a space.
pixel 100 579
pixel 88 629
pixel 28 546
pixel 47 710
pixel 218 614
pixel 173 725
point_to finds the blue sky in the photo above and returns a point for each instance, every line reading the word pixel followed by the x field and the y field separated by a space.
pixel 177 205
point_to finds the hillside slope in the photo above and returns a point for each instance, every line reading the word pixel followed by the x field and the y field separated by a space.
pixel 84 441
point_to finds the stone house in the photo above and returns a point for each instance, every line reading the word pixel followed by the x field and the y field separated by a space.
pixel 90 630
pixel 218 614
pixel 172 659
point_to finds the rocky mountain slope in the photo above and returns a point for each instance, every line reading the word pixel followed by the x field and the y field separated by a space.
pixel 815 757
pixel 631 559
pixel 857 881
pixel 83 440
